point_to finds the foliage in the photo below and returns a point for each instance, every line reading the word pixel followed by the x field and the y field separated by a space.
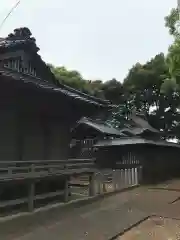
pixel 171 22
pixel 75 80
pixel 111 90
pixel 152 88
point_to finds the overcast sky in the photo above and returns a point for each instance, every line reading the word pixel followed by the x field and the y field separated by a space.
pixel 100 38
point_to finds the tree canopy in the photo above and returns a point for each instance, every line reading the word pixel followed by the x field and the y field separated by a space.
pixel 152 88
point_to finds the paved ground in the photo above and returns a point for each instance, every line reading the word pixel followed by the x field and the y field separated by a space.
pixel 103 219
pixel 155 228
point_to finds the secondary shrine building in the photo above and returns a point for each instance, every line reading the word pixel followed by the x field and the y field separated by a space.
pixel 137 145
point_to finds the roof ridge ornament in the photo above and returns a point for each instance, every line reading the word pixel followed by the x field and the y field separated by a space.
pixel 22 34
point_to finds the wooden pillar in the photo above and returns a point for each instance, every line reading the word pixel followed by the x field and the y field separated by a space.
pixel 99 179
pixel 129 177
pixel 146 160
pixel 66 190
pixel 31 193
pixel 104 187
pixel 92 185
pixel 139 170
pixel 99 187
pixel 119 178
pixel 114 180
pixel 103 182
pixel 133 176
pixel 126 177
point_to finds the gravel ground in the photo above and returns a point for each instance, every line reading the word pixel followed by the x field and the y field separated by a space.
pixel 155 228
pixel 106 218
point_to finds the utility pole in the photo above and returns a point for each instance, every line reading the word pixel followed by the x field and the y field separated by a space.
pixel 12 9
pixel 178 3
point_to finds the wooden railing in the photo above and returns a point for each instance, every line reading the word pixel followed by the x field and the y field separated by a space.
pixel 29 171
pixel 14 170
pixel 79 178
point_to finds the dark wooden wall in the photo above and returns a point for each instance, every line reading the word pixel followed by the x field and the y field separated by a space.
pixel 31 126
pixel 108 157
pixel 158 163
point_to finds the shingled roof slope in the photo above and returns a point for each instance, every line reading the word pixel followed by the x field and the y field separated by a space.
pixel 45 85
pixel 140 120
pixel 24 41
pixel 136 131
pixel 99 126
pixel 134 141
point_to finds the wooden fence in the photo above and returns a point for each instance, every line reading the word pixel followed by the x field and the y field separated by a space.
pixel 80 179
pixel 16 170
pixel 105 181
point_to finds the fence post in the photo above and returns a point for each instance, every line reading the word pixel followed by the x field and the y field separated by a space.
pixel 130 177
pixel 133 176
pixel 99 182
pixel 66 189
pixel 104 184
pixel 31 193
pixel 125 177
pixel 118 178
pixel 140 175
pixel 136 175
pixel 114 179
pixel 92 184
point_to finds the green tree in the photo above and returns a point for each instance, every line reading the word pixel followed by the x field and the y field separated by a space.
pixel 171 87
pixel 144 83
pixel 113 91
pixel 149 89
pixel 70 78
pixel 171 22
pixel 152 88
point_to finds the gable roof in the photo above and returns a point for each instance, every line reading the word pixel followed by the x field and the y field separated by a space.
pixel 137 131
pixel 140 127
pixel 24 41
pixel 99 126
pixel 45 85
pixel 6 44
pixel 141 122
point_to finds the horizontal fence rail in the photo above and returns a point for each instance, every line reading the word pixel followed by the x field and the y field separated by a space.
pixel 14 170
pixel 78 178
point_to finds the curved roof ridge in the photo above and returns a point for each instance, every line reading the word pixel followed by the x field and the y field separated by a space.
pixel 22 37
pixel 86 95
pixel 99 126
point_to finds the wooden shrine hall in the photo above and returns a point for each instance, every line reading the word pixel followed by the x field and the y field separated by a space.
pixel 50 132
pixel 37 112
pixel 42 119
